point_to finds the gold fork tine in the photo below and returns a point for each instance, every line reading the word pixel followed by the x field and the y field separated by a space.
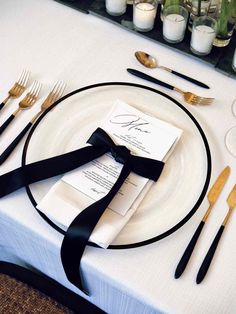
pixel 202 101
pixel 30 97
pixel 204 98
pixel 18 88
pixel 53 95
pixel 58 90
pixel 25 79
pixel 38 89
pixel 34 92
pixel 26 103
pixel 22 78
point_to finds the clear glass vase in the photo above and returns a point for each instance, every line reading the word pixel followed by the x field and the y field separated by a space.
pixel 225 15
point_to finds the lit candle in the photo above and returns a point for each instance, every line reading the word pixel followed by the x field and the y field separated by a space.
pixel 116 7
pixel 144 16
pixel 174 27
pixel 202 39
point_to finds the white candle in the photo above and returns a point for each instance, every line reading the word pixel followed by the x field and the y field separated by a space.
pixel 116 7
pixel 174 27
pixel 202 38
pixel 144 16
pixel 234 61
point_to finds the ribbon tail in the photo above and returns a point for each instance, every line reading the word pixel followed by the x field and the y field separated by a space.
pixel 47 168
pixel 79 231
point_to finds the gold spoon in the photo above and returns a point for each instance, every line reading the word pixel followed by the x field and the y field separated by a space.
pixel 151 62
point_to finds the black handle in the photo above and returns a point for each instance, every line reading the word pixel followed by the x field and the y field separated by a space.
pixel 190 79
pixel 13 145
pixel 188 251
pixel 209 256
pixel 150 78
pixel 2 105
pixel 6 123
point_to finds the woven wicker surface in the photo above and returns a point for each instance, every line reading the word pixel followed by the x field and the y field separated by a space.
pixel 19 298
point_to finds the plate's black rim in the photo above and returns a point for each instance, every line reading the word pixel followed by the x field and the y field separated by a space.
pixel 162 235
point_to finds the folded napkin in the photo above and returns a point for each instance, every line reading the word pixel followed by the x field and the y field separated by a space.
pixel 63 203
pixel 68 197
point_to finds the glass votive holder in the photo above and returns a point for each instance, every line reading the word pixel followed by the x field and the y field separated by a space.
pixel 234 61
pixel 144 14
pixel 174 23
pixel 116 7
pixel 198 8
pixel 203 35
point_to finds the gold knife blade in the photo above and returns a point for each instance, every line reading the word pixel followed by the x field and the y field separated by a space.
pixel 231 200
pixel 217 187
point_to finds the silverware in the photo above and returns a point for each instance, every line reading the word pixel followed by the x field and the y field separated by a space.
pixel 53 95
pixel 212 196
pixel 18 88
pixel 231 200
pixel 189 97
pixel 26 103
pixel 150 62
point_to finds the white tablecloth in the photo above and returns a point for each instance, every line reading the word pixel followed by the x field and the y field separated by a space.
pixel 57 42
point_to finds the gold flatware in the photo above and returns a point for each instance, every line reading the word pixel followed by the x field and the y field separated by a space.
pixel 18 88
pixel 212 197
pixel 53 96
pixel 151 62
pixel 231 201
pixel 189 97
pixel 27 102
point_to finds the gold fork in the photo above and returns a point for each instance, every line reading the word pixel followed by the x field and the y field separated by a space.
pixel 18 88
pixel 194 99
pixel 54 95
pixel 189 97
pixel 26 103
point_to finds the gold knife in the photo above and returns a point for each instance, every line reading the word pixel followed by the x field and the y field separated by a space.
pixel 212 196
pixel 215 190
pixel 231 200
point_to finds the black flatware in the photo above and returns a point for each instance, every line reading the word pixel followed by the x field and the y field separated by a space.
pixel 212 196
pixel 231 201
pixel 189 97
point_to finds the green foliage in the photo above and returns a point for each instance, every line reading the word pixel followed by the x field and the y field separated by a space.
pixel 227 17
pixel 172 2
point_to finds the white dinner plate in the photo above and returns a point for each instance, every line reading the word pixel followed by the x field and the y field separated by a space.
pixel 185 178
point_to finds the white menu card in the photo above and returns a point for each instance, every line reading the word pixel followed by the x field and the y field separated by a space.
pixel 143 136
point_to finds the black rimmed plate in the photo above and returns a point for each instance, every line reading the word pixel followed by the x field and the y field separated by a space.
pixel 183 184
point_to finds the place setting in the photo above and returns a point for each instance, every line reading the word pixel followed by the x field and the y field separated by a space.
pixel 78 152
pixel 90 168
pixel 124 117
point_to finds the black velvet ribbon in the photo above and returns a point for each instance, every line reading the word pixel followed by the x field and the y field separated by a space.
pixel 79 231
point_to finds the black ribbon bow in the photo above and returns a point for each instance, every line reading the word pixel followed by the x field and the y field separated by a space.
pixel 79 231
